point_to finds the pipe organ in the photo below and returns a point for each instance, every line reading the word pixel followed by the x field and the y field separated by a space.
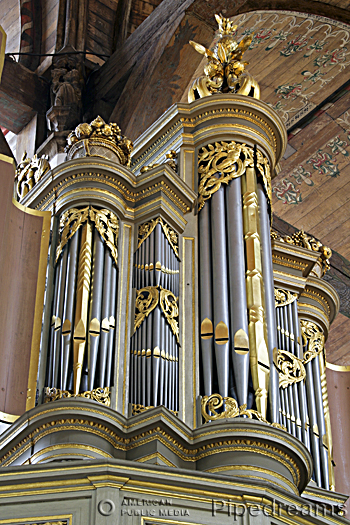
pixel 171 300
pixel 82 335
pixel 154 354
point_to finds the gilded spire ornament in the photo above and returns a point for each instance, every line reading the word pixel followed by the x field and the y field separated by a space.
pixel 225 71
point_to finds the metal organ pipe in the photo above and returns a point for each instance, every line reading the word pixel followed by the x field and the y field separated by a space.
pixel 67 327
pixel 239 342
pixel 95 306
pixel 153 365
pixel 220 289
pixel 85 287
pixel 206 300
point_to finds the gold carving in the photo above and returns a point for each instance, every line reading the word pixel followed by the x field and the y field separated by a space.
pixel 291 368
pixel 211 404
pixel 106 223
pixel 29 172
pixel 70 223
pixel 171 161
pixel 139 409
pixel 98 134
pixel 146 300
pixel 168 303
pixel 258 356
pixel 147 228
pixel 102 395
pixel 220 163
pixel 82 304
pixel 284 297
pixel 300 238
pixel 313 338
pixel 224 71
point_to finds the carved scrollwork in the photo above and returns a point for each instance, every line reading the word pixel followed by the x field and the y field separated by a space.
pixel 220 163
pixel 146 300
pixel 313 340
pixel 211 405
pixel 70 223
pixel 147 228
pixel 291 368
pixel 106 223
pixel 102 395
pixel 29 172
pixel 168 303
pixel 284 297
pixel 300 238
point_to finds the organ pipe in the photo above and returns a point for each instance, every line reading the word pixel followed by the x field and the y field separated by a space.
pixel 82 348
pixel 154 344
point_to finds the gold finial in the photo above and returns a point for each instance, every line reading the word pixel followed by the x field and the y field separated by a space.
pixel 225 71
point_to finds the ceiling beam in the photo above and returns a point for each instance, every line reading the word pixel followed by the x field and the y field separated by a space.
pixel 106 84
pixel 23 94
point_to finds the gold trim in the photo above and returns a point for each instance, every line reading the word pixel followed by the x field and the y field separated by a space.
pixel 258 469
pixel 6 158
pixel 145 230
pixel 127 335
pixel 8 418
pixel 338 368
pixel 157 455
pixel 60 517
pixel 2 53
pixel 131 196
pixel 39 300
pixel 102 395
pixel 68 446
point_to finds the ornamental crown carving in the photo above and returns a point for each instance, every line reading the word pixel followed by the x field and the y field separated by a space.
pixel 99 139
pixel 300 238
pixel 225 71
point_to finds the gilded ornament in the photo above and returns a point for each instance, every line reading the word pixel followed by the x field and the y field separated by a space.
pixel 300 238
pixel 171 160
pixel 102 395
pixel 210 405
pixel 225 70
pixel 291 368
pixel 284 297
pixel 313 340
pixel 146 300
pixel 70 222
pixel 106 223
pixel 96 136
pixel 29 172
pixel 221 162
pixel 168 303
pixel 147 228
